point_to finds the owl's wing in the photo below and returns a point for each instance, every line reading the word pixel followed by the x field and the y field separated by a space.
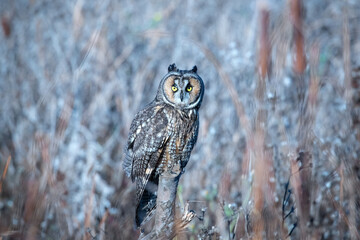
pixel 147 137
pixel 148 133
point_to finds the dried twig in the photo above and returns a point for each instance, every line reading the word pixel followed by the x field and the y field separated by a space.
pixel 102 225
pixel 88 213
pixel 4 172
pixel 299 60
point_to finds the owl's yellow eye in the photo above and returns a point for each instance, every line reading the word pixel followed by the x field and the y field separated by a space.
pixel 174 88
pixel 189 88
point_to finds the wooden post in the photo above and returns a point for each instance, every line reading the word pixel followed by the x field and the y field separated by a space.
pixel 165 204
pixel 166 225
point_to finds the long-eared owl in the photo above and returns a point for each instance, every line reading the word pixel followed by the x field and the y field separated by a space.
pixel 163 134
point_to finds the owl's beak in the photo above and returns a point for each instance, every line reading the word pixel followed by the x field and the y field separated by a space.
pixel 181 96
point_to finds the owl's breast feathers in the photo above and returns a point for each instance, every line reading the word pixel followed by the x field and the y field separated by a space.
pixel 182 140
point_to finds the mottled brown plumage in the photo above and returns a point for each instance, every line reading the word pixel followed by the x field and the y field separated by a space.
pixel 163 134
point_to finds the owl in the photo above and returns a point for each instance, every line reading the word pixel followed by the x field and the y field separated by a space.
pixel 163 134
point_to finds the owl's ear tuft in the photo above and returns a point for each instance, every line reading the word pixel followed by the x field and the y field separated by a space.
pixel 172 68
pixel 194 69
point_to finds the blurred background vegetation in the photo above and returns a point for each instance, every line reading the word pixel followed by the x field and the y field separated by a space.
pixel 279 136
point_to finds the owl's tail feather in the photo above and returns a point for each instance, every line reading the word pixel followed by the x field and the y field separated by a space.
pixel 147 203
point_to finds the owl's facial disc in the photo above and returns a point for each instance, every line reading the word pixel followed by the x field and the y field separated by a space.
pixel 182 91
